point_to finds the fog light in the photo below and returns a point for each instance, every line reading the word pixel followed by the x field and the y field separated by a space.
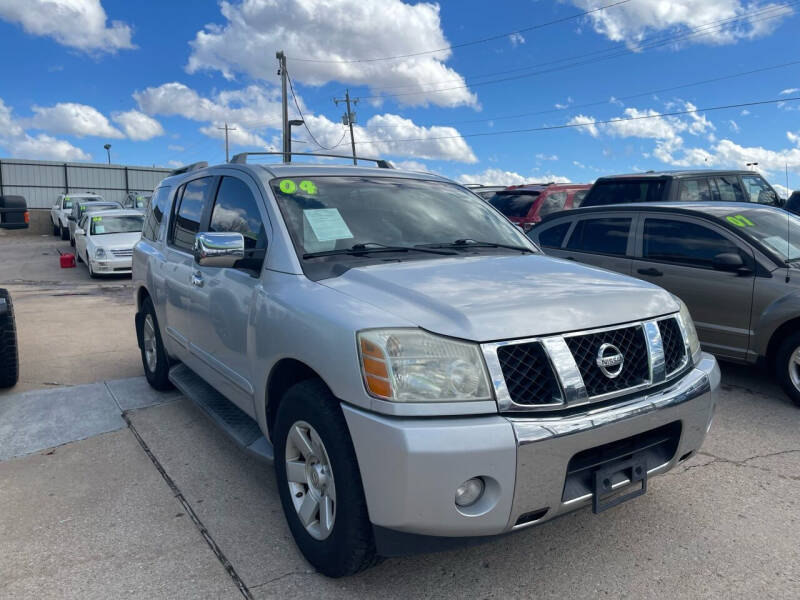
pixel 469 492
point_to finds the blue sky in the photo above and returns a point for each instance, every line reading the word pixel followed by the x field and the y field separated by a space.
pixel 156 80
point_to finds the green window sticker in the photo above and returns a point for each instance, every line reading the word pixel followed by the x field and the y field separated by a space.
pixel 97 219
pixel 308 187
pixel 739 221
pixel 288 186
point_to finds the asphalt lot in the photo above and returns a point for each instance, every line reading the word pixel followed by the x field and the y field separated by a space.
pixel 110 490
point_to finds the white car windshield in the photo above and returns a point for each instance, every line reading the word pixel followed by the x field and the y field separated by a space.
pixel 102 225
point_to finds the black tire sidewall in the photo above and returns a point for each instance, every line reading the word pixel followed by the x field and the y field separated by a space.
pixel 159 378
pixel 9 351
pixel 350 547
pixel 782 358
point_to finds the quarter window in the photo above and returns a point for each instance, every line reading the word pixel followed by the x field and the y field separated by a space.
pixel 553 237
pixel 694 190
pixel 154 214
pixel 552 203
pixel 683 243
pixel 578 198
pixel 603 236
pixel 186 223
pixel 757 189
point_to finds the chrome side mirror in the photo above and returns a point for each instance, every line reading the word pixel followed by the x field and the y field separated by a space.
pixel 221 250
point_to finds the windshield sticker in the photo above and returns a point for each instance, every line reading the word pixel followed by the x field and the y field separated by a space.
pixel 287 186
pixel 327 224
pixel 739 221
pixel 308 187
pixel 97 219
pixel 99 229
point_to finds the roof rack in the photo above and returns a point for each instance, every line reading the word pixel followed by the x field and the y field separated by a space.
pixel 241 158
pixel 187 168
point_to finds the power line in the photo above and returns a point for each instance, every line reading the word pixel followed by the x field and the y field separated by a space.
pixel 305 124
pixel 588 124
pixel 464 44
pixel 602 102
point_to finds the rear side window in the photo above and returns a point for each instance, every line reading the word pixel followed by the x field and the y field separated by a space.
pixel 514 205
pixel 188 213
pixel 624 192
pixel 758 190
pixel 603 236
pixel 694 190
pixel 154 214
pixel 727 188
pixel 683 243
pixel 578 198
pixel 552 203
pixel 553 237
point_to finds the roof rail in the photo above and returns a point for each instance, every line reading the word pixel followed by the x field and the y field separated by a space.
pixel 241 158
pixel 188 168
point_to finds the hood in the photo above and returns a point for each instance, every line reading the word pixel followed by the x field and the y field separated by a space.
pixel 496 298
pixel 117 241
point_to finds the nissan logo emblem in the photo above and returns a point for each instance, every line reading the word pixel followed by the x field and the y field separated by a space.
pixel 610 360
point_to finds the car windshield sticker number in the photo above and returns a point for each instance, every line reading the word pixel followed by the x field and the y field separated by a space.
pixel 308 187
pixel 327 224
pixel 288 186
pixel 739 221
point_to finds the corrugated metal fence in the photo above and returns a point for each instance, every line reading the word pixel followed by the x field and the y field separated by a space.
pixel 41 181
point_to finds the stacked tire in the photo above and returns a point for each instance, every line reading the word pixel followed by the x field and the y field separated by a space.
pixel 9 357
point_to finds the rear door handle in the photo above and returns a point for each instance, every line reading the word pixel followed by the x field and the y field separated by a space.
pixel 650 271
pixel 197 279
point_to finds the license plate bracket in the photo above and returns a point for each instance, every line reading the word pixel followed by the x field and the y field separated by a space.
pixel 635 471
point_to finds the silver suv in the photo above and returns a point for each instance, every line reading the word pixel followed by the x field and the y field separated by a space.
pixel 419 372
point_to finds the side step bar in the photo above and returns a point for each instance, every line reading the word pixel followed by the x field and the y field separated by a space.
pixel 233 421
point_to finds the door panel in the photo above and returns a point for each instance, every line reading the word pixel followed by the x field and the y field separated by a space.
pixel 677 255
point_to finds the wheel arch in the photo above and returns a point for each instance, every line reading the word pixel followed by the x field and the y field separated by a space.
pixel 284 374
pixel 777 337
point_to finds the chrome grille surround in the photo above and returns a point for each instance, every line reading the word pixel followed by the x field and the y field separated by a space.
pixel 122 252
pixel 573 391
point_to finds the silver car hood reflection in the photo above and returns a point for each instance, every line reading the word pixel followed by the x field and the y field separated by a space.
pixel 489 298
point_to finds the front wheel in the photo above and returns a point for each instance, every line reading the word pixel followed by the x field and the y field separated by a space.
pixel 56 230
pixel 787 367
pixel 64 231
pixel 319 482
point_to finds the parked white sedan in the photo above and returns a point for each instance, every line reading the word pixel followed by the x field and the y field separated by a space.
pixel 104 240
pixel 63 208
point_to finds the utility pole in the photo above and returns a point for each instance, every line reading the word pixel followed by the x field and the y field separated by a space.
pixel 287 134
pixel 227 129
pixel 348 119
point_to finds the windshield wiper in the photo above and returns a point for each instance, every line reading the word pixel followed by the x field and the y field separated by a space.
pixel 370 247
pixel 469 243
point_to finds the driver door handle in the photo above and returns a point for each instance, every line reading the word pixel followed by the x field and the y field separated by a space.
pixel 197 279
pixel 650 271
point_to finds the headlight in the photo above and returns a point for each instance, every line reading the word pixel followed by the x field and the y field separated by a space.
pixel 409 365
pixel 691 332
pixel 100 253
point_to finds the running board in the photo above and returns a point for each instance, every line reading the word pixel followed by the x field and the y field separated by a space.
pixel 233 421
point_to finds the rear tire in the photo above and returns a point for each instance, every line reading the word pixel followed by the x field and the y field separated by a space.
pixel 346 546
pixel 787 367
pixel 9 354
pixel 154 356
pixel 64 233
pixel 56 230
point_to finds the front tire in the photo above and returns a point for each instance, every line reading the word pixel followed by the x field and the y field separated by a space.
pixel 9 355
pixel 787 367
pixel 319 482
pixel 154 356
pixel 56 230
pixel 64 233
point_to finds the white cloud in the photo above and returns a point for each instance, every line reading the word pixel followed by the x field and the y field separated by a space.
pixel 734 126
pixel 542 156
pixel 793 137
pixel 80 24
pixel 586 123
pixel 744 112
pixel 789 91
pixel 782 190
pixel 728 154
pixel 411 165
pixel 175 148
pixel 20 144
pixel 733 20
pixel 137 125
pixel 73 119
pixel 493 176
pixel 516 39
pixel 336 30
pixel 254 109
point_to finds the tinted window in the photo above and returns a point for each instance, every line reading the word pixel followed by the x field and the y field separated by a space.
pixel 154 214
pixel 514 205
pixel 552 237
pixel 187 217
pixel 727 189
pixel 578 198
pixel 793 203
pixel 694 190
pixel 552 203
pixel 624 192
pixel 682 242
pixel 758 190
pixel 604 236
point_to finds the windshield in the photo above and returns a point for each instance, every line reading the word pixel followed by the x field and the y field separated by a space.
pixel 102 225
pixel 624 192
pixel 332 213
pixel 778 230
pixel 514 204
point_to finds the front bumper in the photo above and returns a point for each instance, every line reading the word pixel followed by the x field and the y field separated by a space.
pixel 112 266
pixel 410 468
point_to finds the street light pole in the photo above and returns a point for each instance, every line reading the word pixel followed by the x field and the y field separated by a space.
pixel 292 123
pixel 108 150
pixel 752 164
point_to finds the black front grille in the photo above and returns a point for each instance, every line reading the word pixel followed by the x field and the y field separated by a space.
pixel 630 341
pixel 528 374
pixel 672 339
